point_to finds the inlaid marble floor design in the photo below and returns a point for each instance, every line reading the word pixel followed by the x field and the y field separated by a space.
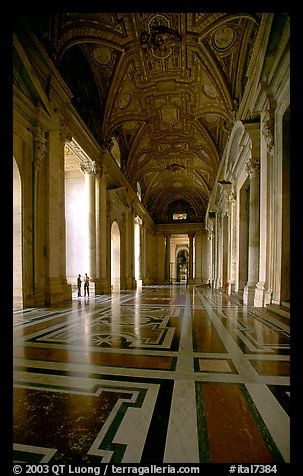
pixel 166 374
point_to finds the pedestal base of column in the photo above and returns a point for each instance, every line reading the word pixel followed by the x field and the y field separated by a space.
pixel 259 295
pixel 54 291
pixel 131 283
pixel 267 297
pixel 230 288
pixel 67 291
pixel 217 283
pixel 39 298
pixel 92 288
pixel 249 295
pixel 104 287
pixel 97 286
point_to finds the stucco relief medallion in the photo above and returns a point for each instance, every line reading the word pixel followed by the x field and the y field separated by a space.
pixel 103 56
pixel 223 38
pixel 169 115
pixel 211 118
pixel 129 126
pixel 124 101
pixel 210 90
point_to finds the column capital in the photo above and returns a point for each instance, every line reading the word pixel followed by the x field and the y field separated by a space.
pixel 89 167
pixel 232 197
pixel 253 166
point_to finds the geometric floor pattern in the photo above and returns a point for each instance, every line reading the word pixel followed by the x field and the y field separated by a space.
pixel 164 374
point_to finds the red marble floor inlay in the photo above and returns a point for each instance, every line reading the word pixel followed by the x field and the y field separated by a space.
pixel 206 338
pixel 271 367
pixel 34 327
pixel 95 358
pixel 234 436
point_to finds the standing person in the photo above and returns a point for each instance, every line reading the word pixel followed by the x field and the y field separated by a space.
pixel 86 284
pixel 79 285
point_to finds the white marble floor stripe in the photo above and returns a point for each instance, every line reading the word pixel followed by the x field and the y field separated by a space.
pixel 182 434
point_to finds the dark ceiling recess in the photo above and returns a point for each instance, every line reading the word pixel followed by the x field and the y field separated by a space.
pixel 77 74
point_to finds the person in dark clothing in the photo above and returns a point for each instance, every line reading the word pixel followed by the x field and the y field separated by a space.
pixel 79 285
pixel 86 285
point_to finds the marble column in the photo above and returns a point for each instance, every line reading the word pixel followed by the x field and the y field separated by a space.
pixel 191 256
pixel 130 247
pixel 159 251
pixel 231 270
pixel 262 293
pixel 167 258
pixel 57 288
pixel 89 170
pixel 38 224
pixel 143 251
pixel 147 255
pixel 253 231
pixel 123 249
pixel 216 255
pixel 104 281
pixel 211 248
pixel 198 258
pixel 142 245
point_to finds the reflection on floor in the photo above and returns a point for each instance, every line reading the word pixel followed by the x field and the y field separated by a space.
pixel 166 374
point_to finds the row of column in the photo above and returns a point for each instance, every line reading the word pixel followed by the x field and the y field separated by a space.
pixel 245 256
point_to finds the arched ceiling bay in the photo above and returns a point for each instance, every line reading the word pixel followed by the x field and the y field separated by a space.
pixel 169 85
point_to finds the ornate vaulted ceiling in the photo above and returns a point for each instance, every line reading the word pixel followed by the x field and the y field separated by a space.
pixel 165 87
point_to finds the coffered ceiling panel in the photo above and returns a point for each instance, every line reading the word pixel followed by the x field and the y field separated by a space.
pixel 168 89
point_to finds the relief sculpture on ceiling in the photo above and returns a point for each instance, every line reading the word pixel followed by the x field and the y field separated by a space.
pixel 159 37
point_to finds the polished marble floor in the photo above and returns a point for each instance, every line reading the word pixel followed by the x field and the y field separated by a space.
pixel 165 374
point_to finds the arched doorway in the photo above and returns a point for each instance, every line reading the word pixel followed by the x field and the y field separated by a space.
pixel 115 256
pixel 182 266
pixel 17 238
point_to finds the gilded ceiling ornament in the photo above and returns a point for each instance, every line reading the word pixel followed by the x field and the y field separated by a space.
pixel 159 38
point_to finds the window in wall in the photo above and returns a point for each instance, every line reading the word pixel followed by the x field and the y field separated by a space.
pixel 179 216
